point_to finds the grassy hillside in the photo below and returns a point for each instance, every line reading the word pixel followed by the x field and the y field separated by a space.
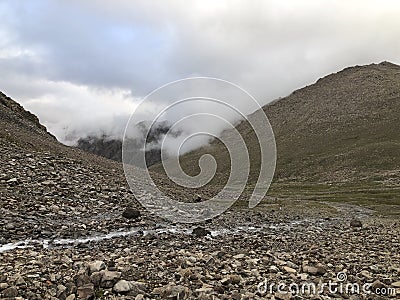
pixel 344 129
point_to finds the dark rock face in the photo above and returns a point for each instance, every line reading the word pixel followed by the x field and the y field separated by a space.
pixel 131 213
pixel 112 148
pixel 102 146
pixel 200 232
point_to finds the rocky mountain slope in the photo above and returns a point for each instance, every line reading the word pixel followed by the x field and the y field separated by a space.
pixel 47 186
pixel 103 146
pixel 346 126
pixel 18 125
pixel 343 128
pixel 112 148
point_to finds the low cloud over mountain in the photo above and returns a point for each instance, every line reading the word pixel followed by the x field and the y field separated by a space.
pixel 83 67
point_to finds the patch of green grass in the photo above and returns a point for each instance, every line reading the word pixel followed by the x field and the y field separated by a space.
pixel 372 195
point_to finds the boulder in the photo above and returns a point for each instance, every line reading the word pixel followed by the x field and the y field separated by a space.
pixel 132 288
pixel 96 266
pixel 109 278
pixel 355 223
pixel 10 292
pixel 130 213
pixel 172 291
pixel 200 232
pixel 86 292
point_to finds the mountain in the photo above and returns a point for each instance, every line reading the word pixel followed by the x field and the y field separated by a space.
pixel 343 128
pixel 47 188
pixel 70 228
pixel 112 148
pixel 20 126
pixel 21 132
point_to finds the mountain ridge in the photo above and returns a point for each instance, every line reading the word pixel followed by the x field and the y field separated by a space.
pixel 344 127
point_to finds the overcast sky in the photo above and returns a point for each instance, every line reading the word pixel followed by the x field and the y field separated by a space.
pixel 82 66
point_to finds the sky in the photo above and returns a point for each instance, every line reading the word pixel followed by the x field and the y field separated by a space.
pixel 84 66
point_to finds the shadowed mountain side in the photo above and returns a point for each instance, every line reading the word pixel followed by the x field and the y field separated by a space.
pixel 112 148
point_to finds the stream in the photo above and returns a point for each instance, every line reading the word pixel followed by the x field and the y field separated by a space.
pixel 47 243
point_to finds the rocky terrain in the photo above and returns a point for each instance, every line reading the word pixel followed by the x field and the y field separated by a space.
pixel 70 228
pixel 227 265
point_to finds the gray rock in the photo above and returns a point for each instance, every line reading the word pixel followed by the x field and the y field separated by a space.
pixel 366 274
pixel 95 278
pixel 96 266
pixel 314 270
pixel 200 232
pixel 235 279
pixel 3 286
pixel 289 270
pixel 131 213
pixel 377 285
pixel 396 284
pixel 10 292
pixel 122 286
pixel 239 256
pixel 172 291
pixel 225 280
pixel 274 269
pixel 9 226
pixel 86 292
pixel 82 279
pixel 132 287
pixel 355 223
pixel 61 292
pixel 310 270
pixel 109 278
pixel 20 281
pixel 12 181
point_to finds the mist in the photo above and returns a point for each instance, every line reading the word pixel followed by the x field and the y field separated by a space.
pixel 83 68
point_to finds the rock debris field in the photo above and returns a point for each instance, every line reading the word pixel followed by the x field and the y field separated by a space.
pixel 71 229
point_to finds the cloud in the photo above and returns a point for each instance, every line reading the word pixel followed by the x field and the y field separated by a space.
pixel 71 111
pixel 82 66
